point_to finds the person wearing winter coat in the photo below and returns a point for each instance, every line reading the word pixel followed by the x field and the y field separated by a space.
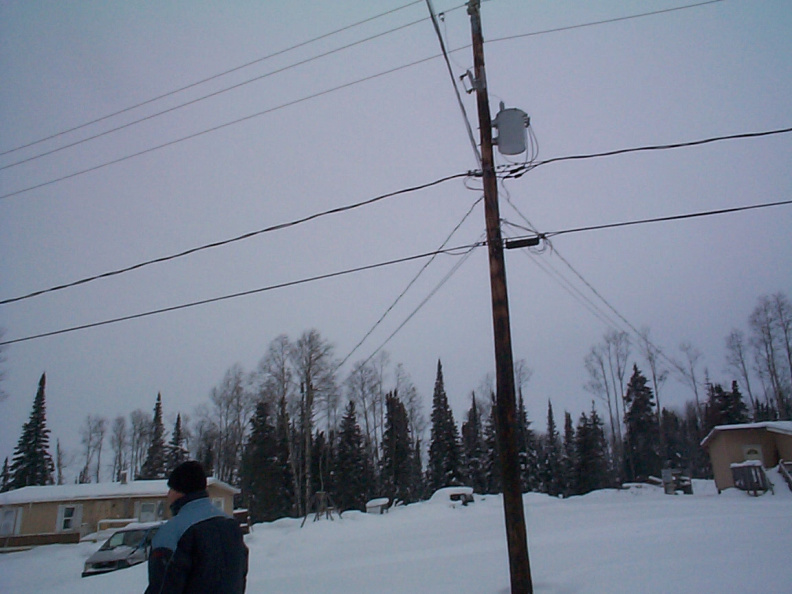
pixel 200 550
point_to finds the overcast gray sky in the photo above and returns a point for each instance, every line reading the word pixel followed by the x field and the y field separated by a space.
pixel 718 69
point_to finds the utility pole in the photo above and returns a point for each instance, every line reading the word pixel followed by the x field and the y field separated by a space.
pixel 506 409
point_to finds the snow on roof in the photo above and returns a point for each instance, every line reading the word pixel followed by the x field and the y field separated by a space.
pixel 784 427
pixel 155 488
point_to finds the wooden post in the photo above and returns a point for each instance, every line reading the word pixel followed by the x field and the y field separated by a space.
pixel 506 409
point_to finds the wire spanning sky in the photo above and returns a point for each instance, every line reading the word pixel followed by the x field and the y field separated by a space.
pixel 324 126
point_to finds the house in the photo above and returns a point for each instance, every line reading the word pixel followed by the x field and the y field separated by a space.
pixel 64 513
pixel 767 442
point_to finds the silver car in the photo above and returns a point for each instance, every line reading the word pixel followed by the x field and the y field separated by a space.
pixel 129 546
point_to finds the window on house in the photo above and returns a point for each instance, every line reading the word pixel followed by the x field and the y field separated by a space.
pixel 148 511
pixel 69 517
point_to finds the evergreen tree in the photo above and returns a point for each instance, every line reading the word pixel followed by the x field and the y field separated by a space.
pixel 551 456
pixel 353 473
pixel 5 478
pixel 527 449
pixel 444 451
pixel 474 448
pixel 724 407
pixel 642 439
pixel 32 464
pixel 397 455
pixel 591 458
pixel 262 474
pixel 154 465
pixel 176 452
pixel 568 458
pixel 283 456
pixel 492 469
pixel 675 452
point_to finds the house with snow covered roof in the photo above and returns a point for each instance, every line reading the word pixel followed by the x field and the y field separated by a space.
pixel 64 513
pixel 768 442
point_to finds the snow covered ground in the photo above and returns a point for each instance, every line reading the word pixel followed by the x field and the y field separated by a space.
pixel 634 540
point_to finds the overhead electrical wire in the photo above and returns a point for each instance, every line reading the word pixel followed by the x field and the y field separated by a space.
pixel 504 174
pixel 212 77
pixel 468 127
pixel 679 217
pixel 515 172
pixel 425 300
pixel 602 22
pixel 210 95
pixel 316 95
pixel 216 128
pixel 449 251
pixel 242 237
pixel 407 288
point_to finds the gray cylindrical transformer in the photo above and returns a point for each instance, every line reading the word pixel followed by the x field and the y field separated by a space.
pixel 511 124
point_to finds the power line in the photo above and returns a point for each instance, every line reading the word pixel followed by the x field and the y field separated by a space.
pixel 678 217
pixel 454 83
pixel 210 95
pixel 244 236
pixel 426 299
pixel 213 77
pixel 218 127
pixel 515 172
pixel 451 251
pixel 602 22
pixel 244 293
pixel 309 97
pixel 510 172
pixel 407 288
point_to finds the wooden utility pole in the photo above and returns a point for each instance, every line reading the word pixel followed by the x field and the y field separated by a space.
pixel 506 408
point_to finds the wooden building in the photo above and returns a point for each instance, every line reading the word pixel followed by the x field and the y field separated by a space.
pixel 65 513
pixel 768 442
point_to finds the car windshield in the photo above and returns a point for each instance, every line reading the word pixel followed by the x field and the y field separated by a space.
pixel 129 538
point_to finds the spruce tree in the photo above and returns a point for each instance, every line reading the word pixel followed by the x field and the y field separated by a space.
pixel 176 453
pixel 286 490
pixel 474 448
pixel 32 464
pixel 444 450
pixel 527 449
pixel 724 407
pixel 352 470
pixel 154 465
pixel 591 460
pixel 261 472
pixel 492 469
pixel 642 439
pixel 568 458
pixel 5 478
pixel 551 456
pixel 397 456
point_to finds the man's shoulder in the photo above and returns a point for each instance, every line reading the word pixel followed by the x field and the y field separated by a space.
pixel 191 514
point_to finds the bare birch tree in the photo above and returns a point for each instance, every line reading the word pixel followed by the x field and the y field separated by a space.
pixel 139 438
pixel 119 443
pixel 92 436
pixel 312 359
pixel 737 362
pixel 688 372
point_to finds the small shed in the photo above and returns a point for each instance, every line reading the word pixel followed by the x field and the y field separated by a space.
pixel 65 513
pixel 768 442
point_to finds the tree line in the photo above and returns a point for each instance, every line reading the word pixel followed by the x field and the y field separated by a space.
pixel 290 429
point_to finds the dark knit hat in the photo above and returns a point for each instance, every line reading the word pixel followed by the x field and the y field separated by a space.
pixel 188 477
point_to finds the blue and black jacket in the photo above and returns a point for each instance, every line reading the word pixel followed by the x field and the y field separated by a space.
pixel 199 551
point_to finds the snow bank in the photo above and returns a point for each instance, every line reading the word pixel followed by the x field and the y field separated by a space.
pixel 632 540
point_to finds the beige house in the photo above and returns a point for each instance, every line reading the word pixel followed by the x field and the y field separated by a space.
pixel 766 442
pixel 65 513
